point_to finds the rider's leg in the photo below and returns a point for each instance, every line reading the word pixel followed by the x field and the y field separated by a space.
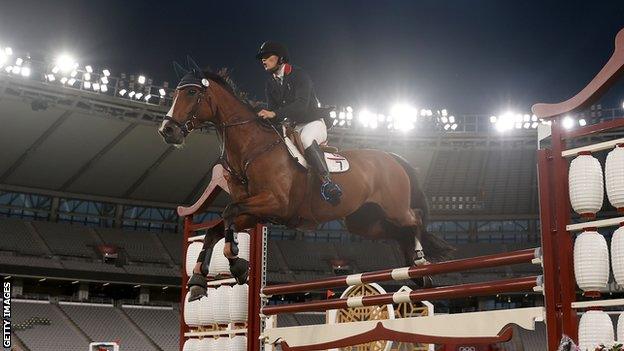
pixel 312 134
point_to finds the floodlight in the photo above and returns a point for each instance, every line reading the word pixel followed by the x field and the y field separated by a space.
pixel 527 125
pixel 526 118
pixel 493 119
pixel 454 126
pixel 534 125
pixel 51 77
pixel 131 94
pixel 452 119
pixel 373 124
pixel 162 92
pixel 66 63
pixel 332 114
pixel 568 122
pixel 89 69
pixel 122 92
pixel 342 123
pixel 138 95
pixel 141 80
pixel 8 51
pixel 64 80
pixel 26 71
pixel 19 61
pixel 582 122
pixel 96 86
pixel 87 84
pixel 55 70
pixel 534 118
pixel 86 76
pixel 71 81
pixel 342 115
pixel 444 119
pixel 447 126
pixel 349 109
pixel 106 73
pixel 365 117
pixel 147 97
pixel 73 74
pixel 17 69
pixel 104 88
pixel 9 69
pixel 350 115
pixel 404 116
pixel 381 118
pixel 104 80
pixel 518 125
pixel 334 122
pixel 444 112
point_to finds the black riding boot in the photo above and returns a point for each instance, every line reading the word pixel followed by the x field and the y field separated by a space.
pixel 330 191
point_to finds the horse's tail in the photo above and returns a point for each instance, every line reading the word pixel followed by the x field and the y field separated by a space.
pixel 434 247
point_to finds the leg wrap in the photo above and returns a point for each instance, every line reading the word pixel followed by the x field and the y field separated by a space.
pixel 231 237
pixel 202 256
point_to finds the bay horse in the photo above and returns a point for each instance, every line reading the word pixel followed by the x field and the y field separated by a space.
pixel 381 195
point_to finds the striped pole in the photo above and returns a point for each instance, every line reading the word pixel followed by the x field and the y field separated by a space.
pixel 447 292
pixel 496 260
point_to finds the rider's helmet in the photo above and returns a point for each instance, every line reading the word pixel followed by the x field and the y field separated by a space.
pixel 273 48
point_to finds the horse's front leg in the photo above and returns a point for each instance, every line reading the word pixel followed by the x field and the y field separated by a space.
pixel 241 215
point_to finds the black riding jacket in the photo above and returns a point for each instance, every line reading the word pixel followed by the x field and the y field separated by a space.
pixel 295 98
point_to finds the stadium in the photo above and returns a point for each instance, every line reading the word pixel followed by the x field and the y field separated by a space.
pixel 103 224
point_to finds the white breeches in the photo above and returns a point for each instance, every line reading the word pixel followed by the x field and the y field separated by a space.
pixel 315 130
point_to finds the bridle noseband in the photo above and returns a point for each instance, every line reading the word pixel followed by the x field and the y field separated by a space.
pixel 187 126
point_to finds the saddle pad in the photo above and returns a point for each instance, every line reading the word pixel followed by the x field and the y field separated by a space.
pixel 335 162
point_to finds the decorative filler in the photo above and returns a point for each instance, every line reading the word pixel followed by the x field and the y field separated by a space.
pixel 238 303
pixel 614 177
pixel 219 264
pixel 591 262
pixel 192 253
pixel 191 312
pixel 586 185
pixel 617 256
pixel 221 305
pixel 191 345
pixel 238 343
pixel 595 329
pixel 206 307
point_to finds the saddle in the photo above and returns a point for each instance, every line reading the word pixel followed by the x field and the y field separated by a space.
pixel 335 162
pixel 295 137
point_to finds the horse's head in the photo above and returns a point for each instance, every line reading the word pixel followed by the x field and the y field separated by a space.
pixel 192 105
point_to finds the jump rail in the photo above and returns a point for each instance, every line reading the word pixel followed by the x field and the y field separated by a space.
pixel 475 289
pixel 489 261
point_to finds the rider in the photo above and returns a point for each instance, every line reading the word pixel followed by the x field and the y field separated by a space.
pixel 290 95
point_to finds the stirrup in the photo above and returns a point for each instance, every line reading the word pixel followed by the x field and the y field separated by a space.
pixel 331 192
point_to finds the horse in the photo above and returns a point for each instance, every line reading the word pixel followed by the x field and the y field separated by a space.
pixel 382 198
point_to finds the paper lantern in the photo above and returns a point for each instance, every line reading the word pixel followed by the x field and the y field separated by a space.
pixel 191 345
pixel 614 177
pixel 238 343
pixel 586 185
pixel 620 328
pixel 238 303
pixel 243 245
pixel 591 262
pixel 617 255
pixel 219 264
pixel 191 312
pixel 205 344
pixel 595 328
pixel 192 253
pixel 206 308
pixel 222 344
pixel 222 304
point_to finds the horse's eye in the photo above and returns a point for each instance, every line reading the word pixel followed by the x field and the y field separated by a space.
pixel 192 92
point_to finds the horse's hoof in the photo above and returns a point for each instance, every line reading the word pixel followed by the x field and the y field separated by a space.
pixel 239 268
pixel 197 287
pixel 423 282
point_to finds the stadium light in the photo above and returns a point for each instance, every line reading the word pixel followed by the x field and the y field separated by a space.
pixel 454 126
pixel 8 51
pixel 25 71
pixel 131 94
pixel 89 69
pixel 9 69
pixel 122 92
pixel 19 61
pixel 106 73
pixel 87 84
pixel 568 122
pixel 71 81
pixel 365 117
pixel 51 77
pixel 582 122
pixel 332 114
pixel 504 122
pixel 73 74
pixel 147 97
pixel 66 63
pixel 141 80
pixel 403 116
pixel 103 88
pixel 86 76
pixel 17 69
pixel 104 80
pixel 96 86
pixel 63 80
pixel 162 93
pixel 138 95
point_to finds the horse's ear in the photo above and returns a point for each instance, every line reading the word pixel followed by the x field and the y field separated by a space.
pixel 179 71
pixel 190 63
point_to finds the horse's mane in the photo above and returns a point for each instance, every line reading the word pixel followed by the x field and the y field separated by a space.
pixel 224 79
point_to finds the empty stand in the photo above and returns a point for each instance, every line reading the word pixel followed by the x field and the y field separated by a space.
pixel 159 323
pixel 16 236
pixel 68 239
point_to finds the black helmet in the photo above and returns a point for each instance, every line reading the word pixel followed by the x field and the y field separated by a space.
pixel 271 47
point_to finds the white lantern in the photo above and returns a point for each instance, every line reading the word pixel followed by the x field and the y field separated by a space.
pixel 591 261
pixel 192 253
pixel 205 344
pixel 238 343
pixel 219 264
pixel 238 303
pixel 206 308
pixel 222 343
pixel 222 304
pixel 620 329
pixel 243 245
pixel 595 328
pixel 617 255
pixel 191 311
pixel 614 177
pixel 586 185
pixel 191 345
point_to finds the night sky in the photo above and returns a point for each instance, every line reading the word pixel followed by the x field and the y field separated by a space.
pixel 471 56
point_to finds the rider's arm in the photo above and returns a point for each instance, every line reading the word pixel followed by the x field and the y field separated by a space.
pixel 298 108
pixel 271 103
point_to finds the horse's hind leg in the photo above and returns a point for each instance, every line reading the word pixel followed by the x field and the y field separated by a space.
pixel 413 255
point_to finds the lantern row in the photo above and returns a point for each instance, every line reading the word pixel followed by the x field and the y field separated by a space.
pixel 596 328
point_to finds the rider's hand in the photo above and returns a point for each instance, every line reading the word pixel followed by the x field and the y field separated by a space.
pixel 266 114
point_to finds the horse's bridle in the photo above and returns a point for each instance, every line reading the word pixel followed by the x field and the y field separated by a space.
pixel 189 125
